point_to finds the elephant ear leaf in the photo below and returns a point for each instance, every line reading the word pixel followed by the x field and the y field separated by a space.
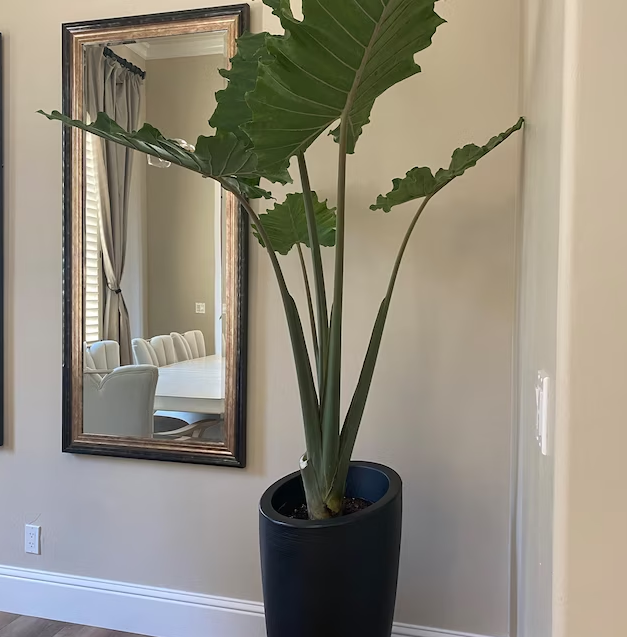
pixel 421 182
pixel 286 224
pixel 232 111
pixel 333 63
pixel 223 157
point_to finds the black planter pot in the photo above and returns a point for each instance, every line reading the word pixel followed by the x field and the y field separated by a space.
pixel 332 578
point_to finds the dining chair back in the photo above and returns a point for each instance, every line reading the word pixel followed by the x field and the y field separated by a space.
pixel 182 348
pixel 163 347
pixel 143 353
pixel 196 341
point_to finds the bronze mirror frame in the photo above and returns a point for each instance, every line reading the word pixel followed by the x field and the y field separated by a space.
pixel 234 20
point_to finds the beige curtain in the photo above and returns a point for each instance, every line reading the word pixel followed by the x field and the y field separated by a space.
pixel 116 91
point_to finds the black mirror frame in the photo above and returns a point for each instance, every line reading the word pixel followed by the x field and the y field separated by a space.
pixel 233 453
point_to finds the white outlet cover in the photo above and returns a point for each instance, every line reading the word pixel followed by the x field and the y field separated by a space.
pixel 32 539
pixel 200 308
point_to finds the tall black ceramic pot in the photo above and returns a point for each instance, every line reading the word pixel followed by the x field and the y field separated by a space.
pixel 332 578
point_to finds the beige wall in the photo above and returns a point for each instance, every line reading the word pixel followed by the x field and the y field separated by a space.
pixel 591 473
pixel 440 409
pixel 180 207
pixel 575 193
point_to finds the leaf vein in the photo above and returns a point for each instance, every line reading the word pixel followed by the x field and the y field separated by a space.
pixel 388 25
pixel 295 130
pixel 296 145
pixel 315 77
pixel 364 10
pixel 363 89
pixel 226 161
pixel 350 35
pixel 290 110
pixel 246 160
pixel 301 97
pixel 339 59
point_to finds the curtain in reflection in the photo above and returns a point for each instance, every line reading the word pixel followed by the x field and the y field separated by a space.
pixel 116 91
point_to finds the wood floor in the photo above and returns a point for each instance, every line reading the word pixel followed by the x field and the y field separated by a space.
pixel 20 626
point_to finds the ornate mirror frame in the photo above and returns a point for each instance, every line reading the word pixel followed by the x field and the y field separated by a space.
pixel 234 20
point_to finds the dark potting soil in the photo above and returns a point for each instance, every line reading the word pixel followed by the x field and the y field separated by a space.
pixel 351 505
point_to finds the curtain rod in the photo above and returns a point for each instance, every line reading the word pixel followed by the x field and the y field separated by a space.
pixel 107 52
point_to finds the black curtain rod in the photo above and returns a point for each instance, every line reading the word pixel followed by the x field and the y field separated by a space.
pixel 107 52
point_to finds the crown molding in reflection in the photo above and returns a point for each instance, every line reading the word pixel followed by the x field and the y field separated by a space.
pixel 181 46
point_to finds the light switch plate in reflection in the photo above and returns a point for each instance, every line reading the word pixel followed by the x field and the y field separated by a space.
pixel 542 412
pixel 200 308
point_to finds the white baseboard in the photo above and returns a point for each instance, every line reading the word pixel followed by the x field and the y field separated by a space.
pixel 407 630
pixel 157 612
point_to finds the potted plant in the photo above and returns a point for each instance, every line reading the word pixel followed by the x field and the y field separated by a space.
pixel 330 533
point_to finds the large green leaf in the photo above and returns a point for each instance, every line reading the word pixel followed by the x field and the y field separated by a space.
pixel 245 186
pixel 286 223
pixel 421 182
pixel 223 157
pixel 338 60
pixel 232 111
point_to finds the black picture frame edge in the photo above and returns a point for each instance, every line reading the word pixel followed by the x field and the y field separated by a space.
pixel 68 444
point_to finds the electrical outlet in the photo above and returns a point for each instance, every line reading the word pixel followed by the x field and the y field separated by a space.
pixel 32 539
pixel 200 308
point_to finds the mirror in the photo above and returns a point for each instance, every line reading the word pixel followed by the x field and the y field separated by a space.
pixel 155 256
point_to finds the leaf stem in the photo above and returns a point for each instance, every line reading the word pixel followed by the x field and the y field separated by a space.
pixel 401 251
pixel 358 402
pixel 332 394
pixel 309 400
pixel 312 317
pixel 316 259
pixel 268 243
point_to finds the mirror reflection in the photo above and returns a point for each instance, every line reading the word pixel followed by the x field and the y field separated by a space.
pixel 154 247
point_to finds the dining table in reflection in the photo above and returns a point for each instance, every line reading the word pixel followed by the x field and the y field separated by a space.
pixel 195 385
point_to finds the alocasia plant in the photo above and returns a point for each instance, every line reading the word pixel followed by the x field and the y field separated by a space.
pixel 284 91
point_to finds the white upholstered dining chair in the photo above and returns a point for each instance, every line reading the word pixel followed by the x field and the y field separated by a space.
pixel 182 348
pixel 102 355
pixel 120 403
pixel 167 350
pixel 143 353
pixel 196 341
pixel 117 401
pixel 163 347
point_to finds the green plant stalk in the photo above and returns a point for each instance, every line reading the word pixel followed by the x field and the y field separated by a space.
pixel 355 412
pixel 331 406
pixel 316 259
pixel 312 318
pixel 307 390
pixel 332 392
pixel 315 483
pixel 316 506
